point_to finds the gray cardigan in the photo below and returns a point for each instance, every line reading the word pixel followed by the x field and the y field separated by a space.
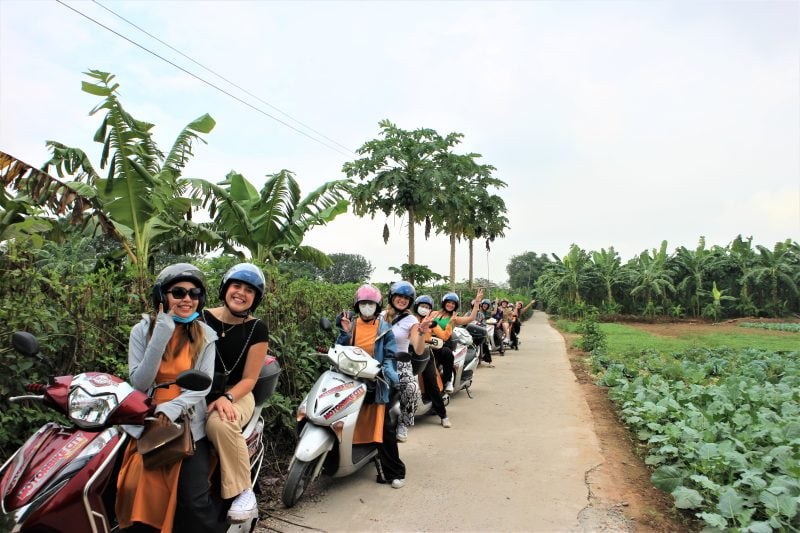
pixel 144 359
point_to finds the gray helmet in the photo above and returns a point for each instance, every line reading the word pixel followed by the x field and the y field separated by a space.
pixel 172 275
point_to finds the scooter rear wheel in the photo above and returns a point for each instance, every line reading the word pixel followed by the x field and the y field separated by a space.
pixel 297 481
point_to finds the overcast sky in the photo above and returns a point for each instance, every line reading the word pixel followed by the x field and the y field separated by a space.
pixel 614 123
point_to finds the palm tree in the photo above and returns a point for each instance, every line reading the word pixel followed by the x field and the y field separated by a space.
pixel 692 267
pixel 564 280
pixel 271 223
pixel 744 257
pixel 776 268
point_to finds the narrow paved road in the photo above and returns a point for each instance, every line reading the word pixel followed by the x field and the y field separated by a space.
pixel 516 458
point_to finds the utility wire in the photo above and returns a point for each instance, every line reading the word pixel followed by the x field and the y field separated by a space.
pixel 206 81
pixel 223 78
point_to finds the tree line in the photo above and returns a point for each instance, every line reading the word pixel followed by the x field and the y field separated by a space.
pixel 137 196
pixel 735 280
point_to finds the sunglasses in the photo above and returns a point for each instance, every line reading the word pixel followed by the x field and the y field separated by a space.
pixel 179 293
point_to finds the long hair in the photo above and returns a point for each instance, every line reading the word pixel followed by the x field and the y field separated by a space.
pixel 192 333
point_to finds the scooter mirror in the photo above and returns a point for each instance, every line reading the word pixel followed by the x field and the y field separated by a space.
pixel 193 380
pixel 325 324
pixel 25 343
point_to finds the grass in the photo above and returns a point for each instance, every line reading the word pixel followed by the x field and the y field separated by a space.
pixel 622 339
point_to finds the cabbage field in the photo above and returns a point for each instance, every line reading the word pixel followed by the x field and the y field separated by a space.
pixel 721 428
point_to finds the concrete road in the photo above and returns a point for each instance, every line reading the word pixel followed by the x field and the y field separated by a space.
pixel 516 458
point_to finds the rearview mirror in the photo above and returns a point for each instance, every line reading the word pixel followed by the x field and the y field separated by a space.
pixel 193 380
pixel 325 324
pixel 25 343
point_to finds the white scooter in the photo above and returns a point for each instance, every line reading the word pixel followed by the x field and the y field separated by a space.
pixel 327 420
pixel 465 360
pixel 494 337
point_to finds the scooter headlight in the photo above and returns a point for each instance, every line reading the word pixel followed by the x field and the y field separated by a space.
pixel 90 411
pixel 349 366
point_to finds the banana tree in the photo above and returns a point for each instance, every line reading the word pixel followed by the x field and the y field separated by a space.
pixel 775 270
pixel 271 223
pixel 140 200
pixel 650 277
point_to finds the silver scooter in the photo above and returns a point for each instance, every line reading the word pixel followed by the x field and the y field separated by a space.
pixel 327 417
pixel 465 360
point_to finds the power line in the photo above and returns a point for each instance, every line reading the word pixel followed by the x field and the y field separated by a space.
pixel 220 76
pixel 248 104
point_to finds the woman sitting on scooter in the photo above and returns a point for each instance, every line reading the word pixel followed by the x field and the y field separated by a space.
pixel 175 496
pixel 398 314
pixel 240 352
pixel 430 378
pixel 371 333
pixel 445 320
pixel 516 322
pixel 484 313
pixel 502 329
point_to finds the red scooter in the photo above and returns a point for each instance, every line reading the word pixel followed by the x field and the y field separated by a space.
pixel 64 477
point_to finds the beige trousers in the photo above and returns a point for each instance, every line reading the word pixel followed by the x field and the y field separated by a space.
pixel 234 460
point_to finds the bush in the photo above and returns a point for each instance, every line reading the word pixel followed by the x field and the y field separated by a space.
pixel 592 338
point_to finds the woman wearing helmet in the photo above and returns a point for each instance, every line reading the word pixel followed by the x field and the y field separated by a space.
pixel 446 319
pixel 484 313
pixel 241 348
pixel 502 314
pixel 430 379
pixel 516 321
pixel 370 332
pixel 398 314
pixel 161 347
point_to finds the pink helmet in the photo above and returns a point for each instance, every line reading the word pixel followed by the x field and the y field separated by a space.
pixel 368 293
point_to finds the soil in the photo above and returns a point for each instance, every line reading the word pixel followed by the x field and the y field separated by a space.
pixel 538 448
pixel 684 327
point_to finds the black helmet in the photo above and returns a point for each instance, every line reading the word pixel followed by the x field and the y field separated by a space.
pixel 451 297
pixel 402 288
pixel 172 275
pixel 486 301
pixel 246 273
pixel 422 299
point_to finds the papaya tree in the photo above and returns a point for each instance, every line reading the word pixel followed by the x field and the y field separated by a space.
pixel 397 174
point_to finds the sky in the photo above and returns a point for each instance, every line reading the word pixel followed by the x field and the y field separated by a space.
pixel 614 123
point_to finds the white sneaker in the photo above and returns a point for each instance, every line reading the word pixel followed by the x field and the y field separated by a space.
pixel 398 483
pixel 448 387
pixel 243 507
pixel 446 423
pixel 402 433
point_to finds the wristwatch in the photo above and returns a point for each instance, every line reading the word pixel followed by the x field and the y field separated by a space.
pixel 229 396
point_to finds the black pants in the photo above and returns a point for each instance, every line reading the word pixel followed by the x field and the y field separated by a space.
pixel 498 338
pixel 515 329
pixel 444 357
pixel 389 464
pixel 432 389
pixel 197 510
pixel 486 352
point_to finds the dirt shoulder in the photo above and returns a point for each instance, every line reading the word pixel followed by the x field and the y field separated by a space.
pixel 622 482
pixel 522 455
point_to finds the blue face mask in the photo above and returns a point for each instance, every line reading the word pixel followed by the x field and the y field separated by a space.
pixel 186 320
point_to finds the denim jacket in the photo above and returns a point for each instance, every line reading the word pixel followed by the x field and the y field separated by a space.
pixel 144 359
pixel 385 349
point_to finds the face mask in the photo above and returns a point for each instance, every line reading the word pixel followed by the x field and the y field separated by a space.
pixel 188 319
pixel 367 309
pixel 423 311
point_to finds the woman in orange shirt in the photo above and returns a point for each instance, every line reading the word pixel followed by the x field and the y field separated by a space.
pixel 175 497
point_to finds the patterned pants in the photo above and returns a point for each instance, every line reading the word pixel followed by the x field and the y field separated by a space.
pixel 409 394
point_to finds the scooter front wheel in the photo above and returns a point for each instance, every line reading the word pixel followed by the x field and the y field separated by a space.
pixel 297 481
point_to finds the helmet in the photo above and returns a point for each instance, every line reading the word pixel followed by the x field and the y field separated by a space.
pixel 422 299
pixel 368 293
pixel 519 303
pixel 451 297
pixel 486 301
pixel 402 288
pixel 172 275
pixel 246 273
pixel 503 300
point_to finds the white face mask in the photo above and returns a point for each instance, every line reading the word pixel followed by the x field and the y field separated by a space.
pixel 423 311
pixel 367 309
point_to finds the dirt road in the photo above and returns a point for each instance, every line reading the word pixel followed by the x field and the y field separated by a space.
pixel 517 458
